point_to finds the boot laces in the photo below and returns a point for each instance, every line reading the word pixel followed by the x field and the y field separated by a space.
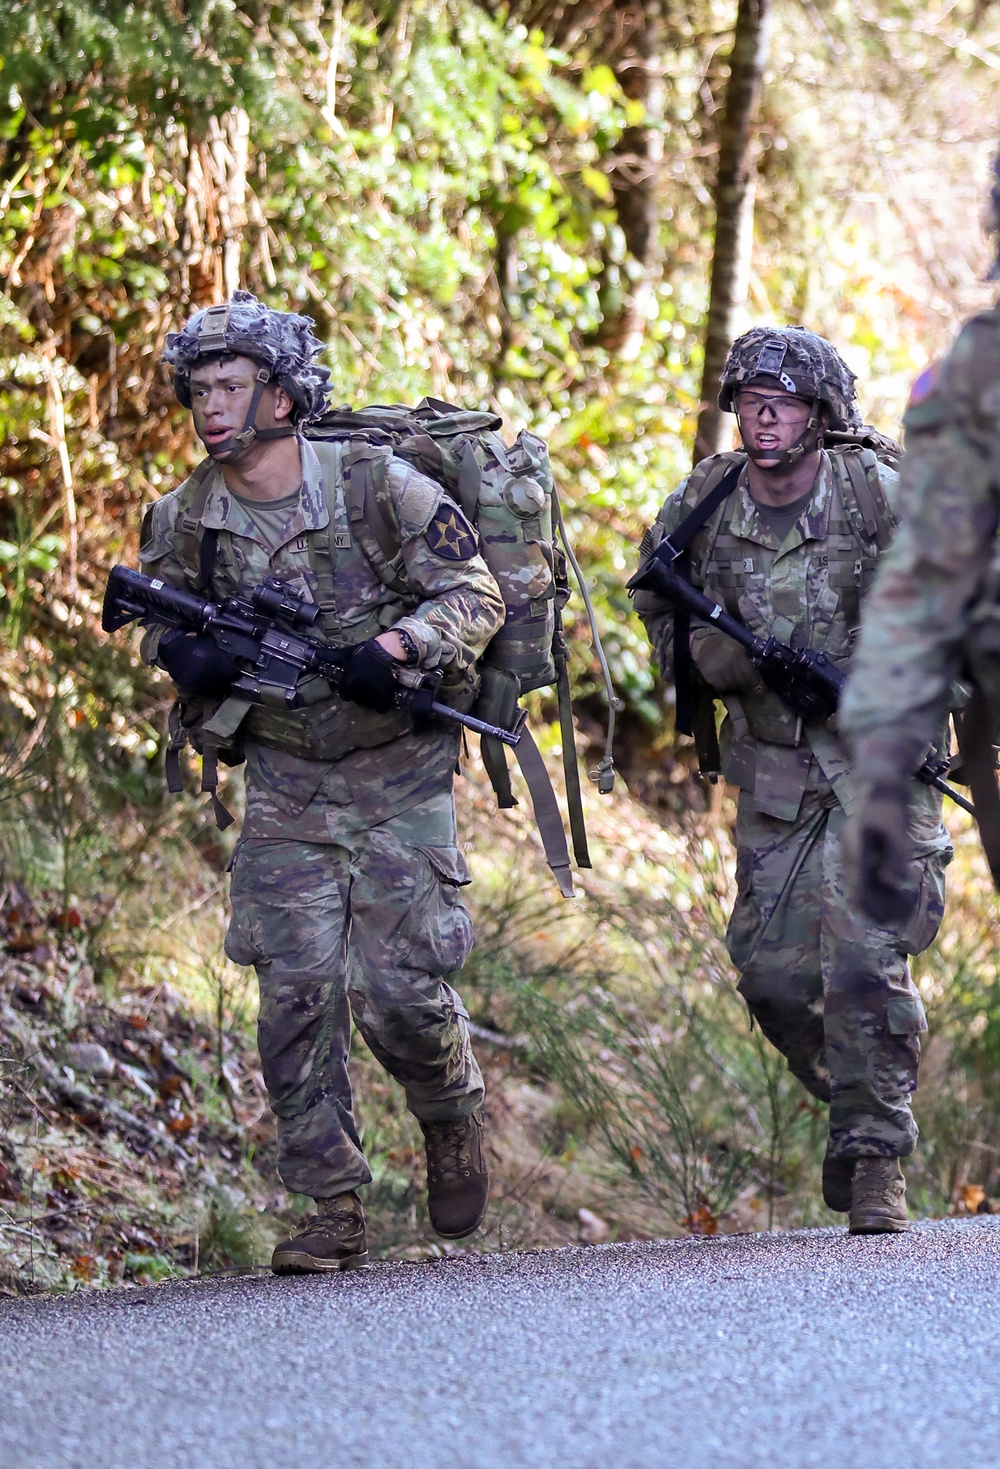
pixel 338 1221
pixel 449 1150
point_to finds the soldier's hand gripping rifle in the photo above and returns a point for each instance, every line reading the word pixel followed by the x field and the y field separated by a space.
pixel 266 633
pixel 805 680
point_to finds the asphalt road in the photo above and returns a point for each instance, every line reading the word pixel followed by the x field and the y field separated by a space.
pixel 771 1350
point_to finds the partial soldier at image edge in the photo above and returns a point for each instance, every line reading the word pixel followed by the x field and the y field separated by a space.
pixel 934 613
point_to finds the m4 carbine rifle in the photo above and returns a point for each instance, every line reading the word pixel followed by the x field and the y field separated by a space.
pixel 808 682
pixel 266 631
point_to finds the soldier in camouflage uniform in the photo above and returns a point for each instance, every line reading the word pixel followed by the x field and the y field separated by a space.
pixel 791 549
pixel 346 877
pixel 934 614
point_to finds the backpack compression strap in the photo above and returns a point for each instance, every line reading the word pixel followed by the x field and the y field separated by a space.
pixel 548 817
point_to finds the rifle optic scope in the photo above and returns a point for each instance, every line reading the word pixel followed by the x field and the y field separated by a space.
pixel 273 598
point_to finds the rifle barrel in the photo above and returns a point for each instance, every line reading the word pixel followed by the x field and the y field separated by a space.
pixel 477 726
pixel 929 777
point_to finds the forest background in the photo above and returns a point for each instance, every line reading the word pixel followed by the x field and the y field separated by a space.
pixel 550 207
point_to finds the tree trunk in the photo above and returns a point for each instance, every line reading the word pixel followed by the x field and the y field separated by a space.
pixel 635 180
pixel 734 201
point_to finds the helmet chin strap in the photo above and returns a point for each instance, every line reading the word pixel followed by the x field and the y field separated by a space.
pixel 230 449
pixel 785 458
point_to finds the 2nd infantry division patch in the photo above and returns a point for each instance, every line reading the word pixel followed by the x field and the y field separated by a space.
pixel 451 536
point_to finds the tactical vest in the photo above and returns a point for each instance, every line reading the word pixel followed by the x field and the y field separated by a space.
pixel 860 526
pixel 323 727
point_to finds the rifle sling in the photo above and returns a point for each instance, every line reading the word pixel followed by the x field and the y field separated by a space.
pixel 688 715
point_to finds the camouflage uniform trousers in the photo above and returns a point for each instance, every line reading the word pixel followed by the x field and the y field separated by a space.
pixel 829 990
pixel 368 925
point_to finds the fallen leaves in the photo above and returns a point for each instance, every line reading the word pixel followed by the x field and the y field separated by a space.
pixel 701 1221
pixel 972 1196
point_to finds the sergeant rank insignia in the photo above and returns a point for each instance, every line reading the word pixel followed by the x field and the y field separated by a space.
pixel 451 536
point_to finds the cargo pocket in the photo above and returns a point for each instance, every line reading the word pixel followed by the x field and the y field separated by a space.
pixel 445 929
pixel 920 929
pixel 239 945
pixel 449 865
pixel 905 1015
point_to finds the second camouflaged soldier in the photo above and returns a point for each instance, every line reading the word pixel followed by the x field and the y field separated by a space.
pixel 786 536
pixel 346 878
pixel 934 614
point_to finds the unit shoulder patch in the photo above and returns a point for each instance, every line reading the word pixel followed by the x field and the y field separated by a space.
pixel 925 384
pixel 450 535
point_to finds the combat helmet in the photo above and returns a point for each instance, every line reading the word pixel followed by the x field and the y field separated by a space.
pixel 280 341
pixel 801 361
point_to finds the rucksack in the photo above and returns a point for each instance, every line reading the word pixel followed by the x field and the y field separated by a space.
pixel 507 492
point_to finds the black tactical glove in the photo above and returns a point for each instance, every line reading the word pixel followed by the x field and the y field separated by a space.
pixel 370 677
pixel 804 680
pixel 877 849
pixel 195 662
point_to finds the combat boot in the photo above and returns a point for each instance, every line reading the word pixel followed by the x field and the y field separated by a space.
pixel 333 1239
pixel 878 1197
pixel 458 1180
pixel 838 1174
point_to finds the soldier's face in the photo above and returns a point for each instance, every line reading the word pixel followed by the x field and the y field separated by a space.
pixel 221 395
pixel 771 420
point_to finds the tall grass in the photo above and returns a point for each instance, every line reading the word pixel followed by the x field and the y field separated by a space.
pixel 620 1007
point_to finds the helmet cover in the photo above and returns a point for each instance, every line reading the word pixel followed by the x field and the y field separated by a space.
pixel 801 361
pixel 281 341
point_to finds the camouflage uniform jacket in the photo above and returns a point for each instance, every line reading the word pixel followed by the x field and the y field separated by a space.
pixel 305 764
pixel 804 591
pixel 936 592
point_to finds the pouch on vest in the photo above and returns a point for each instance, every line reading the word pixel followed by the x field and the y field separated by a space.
pixel 212 728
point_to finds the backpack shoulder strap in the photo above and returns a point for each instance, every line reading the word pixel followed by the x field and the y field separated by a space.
pixel 866 504
pixel 320 542
pixel 694 703
pixel 362 468
pixel 194 545
pixel 370 511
